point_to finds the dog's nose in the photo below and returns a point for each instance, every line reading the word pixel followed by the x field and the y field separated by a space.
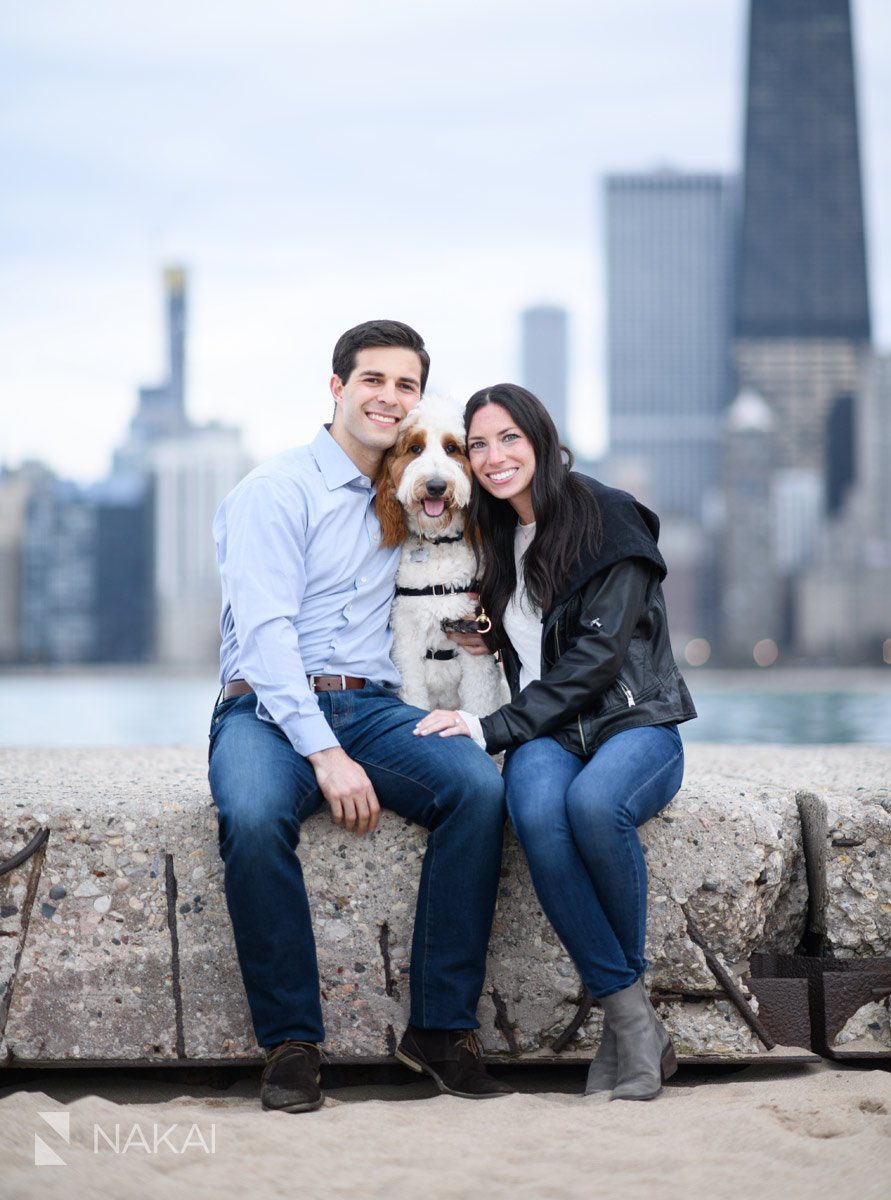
pixel 436 487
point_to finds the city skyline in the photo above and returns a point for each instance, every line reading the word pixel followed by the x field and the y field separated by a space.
pixel 292 228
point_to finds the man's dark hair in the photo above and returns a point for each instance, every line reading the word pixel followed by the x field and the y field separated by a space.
pixel 377 333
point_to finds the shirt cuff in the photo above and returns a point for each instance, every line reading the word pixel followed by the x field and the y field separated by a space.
pixel 473 724
pixel 307 734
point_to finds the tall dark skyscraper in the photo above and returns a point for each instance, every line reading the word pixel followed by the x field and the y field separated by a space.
pixel 802 323
pixel 802 312
pixel 803 266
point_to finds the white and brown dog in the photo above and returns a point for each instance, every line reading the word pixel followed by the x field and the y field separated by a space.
pixel 422 494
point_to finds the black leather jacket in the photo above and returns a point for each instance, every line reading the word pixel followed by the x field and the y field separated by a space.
pixel 606 659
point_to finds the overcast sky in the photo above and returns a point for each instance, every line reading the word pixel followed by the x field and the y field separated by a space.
pixel 316 165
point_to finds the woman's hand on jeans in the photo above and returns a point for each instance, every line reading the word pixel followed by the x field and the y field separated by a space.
pixel 444 721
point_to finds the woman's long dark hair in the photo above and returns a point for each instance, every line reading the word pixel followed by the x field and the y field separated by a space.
pixel 567 516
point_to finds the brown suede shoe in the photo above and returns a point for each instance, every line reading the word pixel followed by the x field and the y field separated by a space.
pixel 451 1058
pixel 290 1080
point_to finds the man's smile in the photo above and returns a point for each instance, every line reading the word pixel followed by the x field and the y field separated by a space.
pixel 381 418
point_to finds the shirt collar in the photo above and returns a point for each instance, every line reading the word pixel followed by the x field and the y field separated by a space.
pixel 335 465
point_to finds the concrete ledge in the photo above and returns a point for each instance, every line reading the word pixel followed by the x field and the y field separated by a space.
pixel 115 944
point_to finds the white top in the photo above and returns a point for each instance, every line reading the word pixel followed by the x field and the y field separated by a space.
pixel 522 620
pixel 522 624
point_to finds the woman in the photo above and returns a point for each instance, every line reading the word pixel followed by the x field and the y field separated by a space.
pixel 571 580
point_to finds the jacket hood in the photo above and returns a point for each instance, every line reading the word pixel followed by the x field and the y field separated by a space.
pixel 630 530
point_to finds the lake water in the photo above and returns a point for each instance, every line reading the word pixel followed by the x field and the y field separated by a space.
pixel 150 708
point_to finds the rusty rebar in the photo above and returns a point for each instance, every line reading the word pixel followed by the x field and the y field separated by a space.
pixel 23 855
pixel 581 1015
pixel 727 982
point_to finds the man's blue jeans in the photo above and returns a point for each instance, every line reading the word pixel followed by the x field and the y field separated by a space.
pixel 577 820
pixel 264 790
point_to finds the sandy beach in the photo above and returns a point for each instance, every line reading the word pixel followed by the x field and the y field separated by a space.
pixel 769 1132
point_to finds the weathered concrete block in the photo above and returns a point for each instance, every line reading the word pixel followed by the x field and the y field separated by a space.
pixel 532 989
pixel 858 874
pixel 733 857
pixel 713 1027
pixel 127 951
pixel 363 900
pixel 14 887
pixel 95 980
pixel 867 1031
pixel 735 861
pixel 216 1020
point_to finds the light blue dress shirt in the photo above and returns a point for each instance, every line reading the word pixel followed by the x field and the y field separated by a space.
pixel 307 587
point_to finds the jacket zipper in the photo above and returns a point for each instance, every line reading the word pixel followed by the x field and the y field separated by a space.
pixel 582 735
pixel 629 695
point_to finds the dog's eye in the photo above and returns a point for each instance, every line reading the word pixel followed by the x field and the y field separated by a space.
pixel 451 448
pixel 415 448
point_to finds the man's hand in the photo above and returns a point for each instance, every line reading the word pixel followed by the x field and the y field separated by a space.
pixel 347 790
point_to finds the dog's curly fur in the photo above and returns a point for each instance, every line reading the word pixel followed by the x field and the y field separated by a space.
pixel 429 465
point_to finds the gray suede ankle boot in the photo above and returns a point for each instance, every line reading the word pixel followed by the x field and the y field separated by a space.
pixel 646 1056
pixel 604 1070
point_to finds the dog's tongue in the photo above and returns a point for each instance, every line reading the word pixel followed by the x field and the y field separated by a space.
pixel 433 508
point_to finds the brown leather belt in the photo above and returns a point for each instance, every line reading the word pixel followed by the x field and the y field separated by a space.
pixel 318 683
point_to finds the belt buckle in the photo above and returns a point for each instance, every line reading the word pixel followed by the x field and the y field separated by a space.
pixel 313 678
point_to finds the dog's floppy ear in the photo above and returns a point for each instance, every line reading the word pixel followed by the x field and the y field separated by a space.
pixel 390 513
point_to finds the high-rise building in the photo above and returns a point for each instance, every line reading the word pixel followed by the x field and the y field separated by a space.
pixel 670 240
pixel 175 288
pixel 191 475
pixel 123 562
pixel 58 575
pixel 185 471
pixel 802 322
pixel 802 312
pixel 86 586
pixel 545 341
pixel 161 411
pixel 842 599
pixel 751 593
pixel 16 488
pixel 873 456
pixel 123 570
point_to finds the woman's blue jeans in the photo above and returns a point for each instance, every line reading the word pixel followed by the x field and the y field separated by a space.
pixel 264 791
pixel 577 821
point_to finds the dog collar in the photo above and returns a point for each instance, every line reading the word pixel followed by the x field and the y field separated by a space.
pixel 438 541
pixel 439 589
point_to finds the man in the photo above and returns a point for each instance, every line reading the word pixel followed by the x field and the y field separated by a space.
pixel 309 715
